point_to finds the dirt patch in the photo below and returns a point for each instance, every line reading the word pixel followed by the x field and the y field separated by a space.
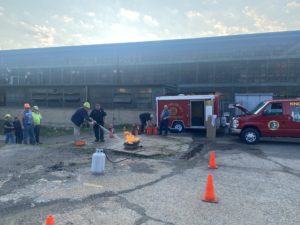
pixel 56 167
pixel 191 153
pixel 141 168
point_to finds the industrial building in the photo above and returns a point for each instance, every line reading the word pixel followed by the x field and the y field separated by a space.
pixel 131 75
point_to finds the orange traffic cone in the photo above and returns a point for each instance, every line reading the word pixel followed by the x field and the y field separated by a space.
pixel 209 195
pixel 50 220
pixel 212 161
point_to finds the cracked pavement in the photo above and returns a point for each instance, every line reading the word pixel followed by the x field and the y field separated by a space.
pixel 255 185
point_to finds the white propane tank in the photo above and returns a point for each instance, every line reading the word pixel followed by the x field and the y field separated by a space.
pixel 98 162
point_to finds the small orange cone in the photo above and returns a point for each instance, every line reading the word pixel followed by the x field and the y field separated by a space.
pixel 50 220
pixel 209 195
pixel 212 161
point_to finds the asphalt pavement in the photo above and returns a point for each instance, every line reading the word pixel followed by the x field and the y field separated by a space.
pixel 257 184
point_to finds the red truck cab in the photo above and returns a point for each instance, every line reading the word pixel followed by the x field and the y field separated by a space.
pixel 273 118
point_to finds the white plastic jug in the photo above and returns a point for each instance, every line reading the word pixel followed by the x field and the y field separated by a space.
pixel 98 162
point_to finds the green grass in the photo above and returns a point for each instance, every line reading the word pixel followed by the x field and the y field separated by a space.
pixel 48 131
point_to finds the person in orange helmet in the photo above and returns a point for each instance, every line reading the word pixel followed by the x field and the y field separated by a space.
pixel 27 125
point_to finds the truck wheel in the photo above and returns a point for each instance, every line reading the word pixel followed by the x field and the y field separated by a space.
pixel 250 136
pixel 178 126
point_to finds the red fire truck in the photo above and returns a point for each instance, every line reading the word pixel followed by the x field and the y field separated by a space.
pixel 188 111
pixel 273 118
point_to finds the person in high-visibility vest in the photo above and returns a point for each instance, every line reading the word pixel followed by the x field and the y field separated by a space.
pixel 37 118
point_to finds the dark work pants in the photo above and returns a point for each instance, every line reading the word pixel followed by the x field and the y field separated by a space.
pixel 163 126
pixel 37 133
pixel 143 124
pixel 98 131
pixel 19 136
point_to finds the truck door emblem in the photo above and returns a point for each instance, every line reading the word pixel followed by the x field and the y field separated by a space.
pixel 173 111
pixel 273 125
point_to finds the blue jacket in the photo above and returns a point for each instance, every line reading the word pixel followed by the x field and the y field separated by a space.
pixel 27 118
pixel 79 116
pixel 165 114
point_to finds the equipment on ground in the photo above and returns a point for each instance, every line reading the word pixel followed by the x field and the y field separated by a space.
pixel 98 162
pixel 80 143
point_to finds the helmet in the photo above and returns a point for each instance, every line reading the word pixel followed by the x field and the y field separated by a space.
pixel 87 105
pixel 7 116
pixel 35 107
pixel 26 106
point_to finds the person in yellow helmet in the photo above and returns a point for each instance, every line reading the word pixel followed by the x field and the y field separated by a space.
pixel 8 129
pixel 79 117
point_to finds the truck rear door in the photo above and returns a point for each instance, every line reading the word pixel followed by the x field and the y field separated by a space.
pixel 197 114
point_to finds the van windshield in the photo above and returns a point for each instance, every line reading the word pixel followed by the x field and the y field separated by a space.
pixel 257 108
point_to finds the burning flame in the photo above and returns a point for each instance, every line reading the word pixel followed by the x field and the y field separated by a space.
pixel 130 138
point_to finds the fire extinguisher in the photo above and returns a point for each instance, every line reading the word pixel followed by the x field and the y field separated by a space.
pixel 111 131
pixel 133 131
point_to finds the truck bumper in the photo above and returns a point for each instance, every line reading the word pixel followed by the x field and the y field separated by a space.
pixel 235 131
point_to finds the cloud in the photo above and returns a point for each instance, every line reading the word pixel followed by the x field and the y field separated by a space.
pixel 1 10
pixel 64 18
pixel 150 21
pixel 91 14
pixel 221 29
pixel 293 5
pixel 192 14
pixel 261 23
pixel 135 16
pixel 217 28
pixel 124 33
pixel 44 35
pixel 129 14
pixel 172 10
pixel 85 25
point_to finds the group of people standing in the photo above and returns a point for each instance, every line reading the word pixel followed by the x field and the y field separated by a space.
pixel 24 128
pixel 164 120
pixel 95 117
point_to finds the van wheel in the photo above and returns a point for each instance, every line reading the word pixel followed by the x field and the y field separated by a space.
pixel 250 136
pixel 178 126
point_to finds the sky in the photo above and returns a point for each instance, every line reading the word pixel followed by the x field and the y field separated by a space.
pixel 50 23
